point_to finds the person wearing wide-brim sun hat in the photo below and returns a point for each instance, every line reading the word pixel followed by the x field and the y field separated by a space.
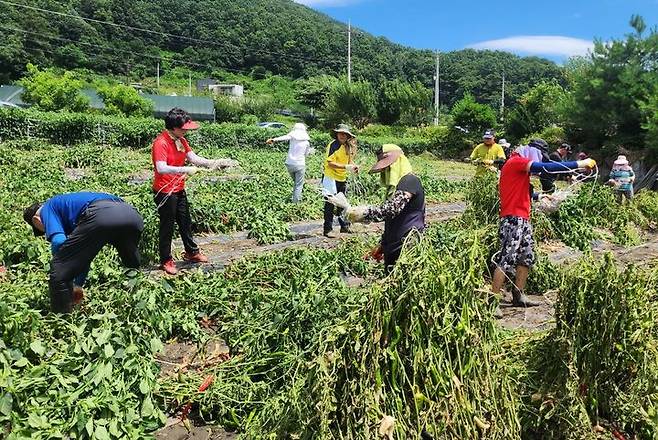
pixel 299 147
pixel 338 163
pixel 404 208
pixel 622 178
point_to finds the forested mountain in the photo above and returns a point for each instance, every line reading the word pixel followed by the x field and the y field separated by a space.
pixel 129 37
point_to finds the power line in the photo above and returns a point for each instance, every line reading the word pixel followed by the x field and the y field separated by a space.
pixel 168 35
pixel 115 49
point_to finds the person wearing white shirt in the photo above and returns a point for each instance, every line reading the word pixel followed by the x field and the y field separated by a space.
pixel 299 148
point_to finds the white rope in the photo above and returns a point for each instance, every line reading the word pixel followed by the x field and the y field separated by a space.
pixel 173 183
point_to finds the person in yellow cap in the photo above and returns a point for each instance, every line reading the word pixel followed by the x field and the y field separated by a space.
pixel 486 153
pixel 404 208
pixel 338 162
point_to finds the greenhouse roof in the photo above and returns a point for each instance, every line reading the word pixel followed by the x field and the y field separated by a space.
pixel 12 94
pixel 198 107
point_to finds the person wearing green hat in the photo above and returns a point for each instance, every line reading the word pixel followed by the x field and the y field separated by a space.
pixel 339 161
pixel 404 208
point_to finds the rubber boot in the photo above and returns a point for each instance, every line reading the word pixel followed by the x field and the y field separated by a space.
pixel 519 299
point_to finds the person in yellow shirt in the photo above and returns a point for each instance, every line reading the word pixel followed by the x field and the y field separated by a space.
pixel 338 163
pixel 486 153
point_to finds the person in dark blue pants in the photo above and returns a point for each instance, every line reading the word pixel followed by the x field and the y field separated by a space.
pixel 78 225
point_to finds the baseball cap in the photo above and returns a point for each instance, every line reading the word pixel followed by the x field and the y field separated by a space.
pixel 190 125
pixel 489 134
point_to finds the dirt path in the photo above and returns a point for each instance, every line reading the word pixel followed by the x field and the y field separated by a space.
pixel 542 317
pixel 222 249
pixel 642 254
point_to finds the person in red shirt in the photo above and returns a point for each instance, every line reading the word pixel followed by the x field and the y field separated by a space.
pixel 516 255
pixel 170 152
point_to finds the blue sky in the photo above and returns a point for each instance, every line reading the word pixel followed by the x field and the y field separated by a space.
pixel 553 29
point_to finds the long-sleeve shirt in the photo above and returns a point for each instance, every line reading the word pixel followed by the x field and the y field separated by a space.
pixel 60 215
pixel 402 212
pixel 624 178
pixel 297 150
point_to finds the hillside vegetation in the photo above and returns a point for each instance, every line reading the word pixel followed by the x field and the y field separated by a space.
pixel 255 37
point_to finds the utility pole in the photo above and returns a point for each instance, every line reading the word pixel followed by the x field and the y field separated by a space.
pixel 349 51
pixel 189 92
pixel 502 100
pixel 158 75
pixel 436 90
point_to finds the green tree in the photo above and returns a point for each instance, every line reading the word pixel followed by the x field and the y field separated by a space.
pixel 472 116
pixel 258 36
pixel 539 108
pixel 48 91
pixel 351 102
pixel 400 101
pixel 124 100
pixel 613 93
pixel 315 91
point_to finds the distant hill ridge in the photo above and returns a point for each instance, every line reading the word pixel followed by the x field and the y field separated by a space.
pixel 277 36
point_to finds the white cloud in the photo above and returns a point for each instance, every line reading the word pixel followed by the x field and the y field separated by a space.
pixel 326 2
pixel 539 45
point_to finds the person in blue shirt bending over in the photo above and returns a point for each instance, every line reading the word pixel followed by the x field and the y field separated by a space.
pixel 78 225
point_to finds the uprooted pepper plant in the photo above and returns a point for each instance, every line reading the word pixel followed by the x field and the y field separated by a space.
pixel 416 354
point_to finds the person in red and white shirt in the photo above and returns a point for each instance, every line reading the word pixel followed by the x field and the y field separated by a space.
pixel 516 255
pixel 170 153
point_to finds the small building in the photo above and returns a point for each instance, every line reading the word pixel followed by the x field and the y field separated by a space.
pixel 202 84
pixel 234 90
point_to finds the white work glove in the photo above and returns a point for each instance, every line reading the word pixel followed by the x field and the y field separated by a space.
pixel 352 168
pixel 339 200
pixel 586 163
pixel 220 164
pixel 190 171
pixel 310 151
pixel 356 214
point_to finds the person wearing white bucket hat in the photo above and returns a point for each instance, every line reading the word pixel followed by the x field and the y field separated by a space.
pixel 299 148
pixel 622 178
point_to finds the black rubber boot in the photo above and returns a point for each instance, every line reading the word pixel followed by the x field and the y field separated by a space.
pixel 520 299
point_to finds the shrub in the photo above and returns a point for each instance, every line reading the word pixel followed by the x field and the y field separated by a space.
pixel 124 100
pixel 51 92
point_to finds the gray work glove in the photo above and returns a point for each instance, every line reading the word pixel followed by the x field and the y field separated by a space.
pixel 221 164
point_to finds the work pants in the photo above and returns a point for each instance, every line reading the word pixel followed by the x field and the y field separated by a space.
pixel 330 209
pixel 104 222
pixel 174 208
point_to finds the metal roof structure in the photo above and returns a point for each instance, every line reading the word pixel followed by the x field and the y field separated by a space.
pixel 12 94
pixel 199 108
